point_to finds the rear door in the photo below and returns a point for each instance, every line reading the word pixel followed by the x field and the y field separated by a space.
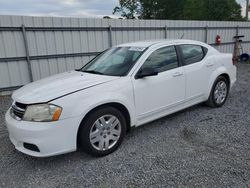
pixel 195 69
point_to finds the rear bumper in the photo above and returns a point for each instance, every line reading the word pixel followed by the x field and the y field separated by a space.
pixel 51 138
pixel 233 76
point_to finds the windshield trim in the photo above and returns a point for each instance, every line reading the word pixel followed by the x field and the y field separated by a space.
pixel 92 60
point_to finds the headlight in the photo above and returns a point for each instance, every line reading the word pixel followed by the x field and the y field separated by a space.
pixel 42 113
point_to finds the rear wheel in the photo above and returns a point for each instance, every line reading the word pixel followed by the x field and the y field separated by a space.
pixel 102 131
pixel 219 93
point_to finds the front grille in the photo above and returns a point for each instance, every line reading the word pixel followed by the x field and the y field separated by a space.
pixel 21 105
pixel 18 110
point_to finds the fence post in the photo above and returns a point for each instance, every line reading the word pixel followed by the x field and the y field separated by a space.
pixel 26 46
pixel 237 30
pixel 206 34
pixel 110 36
pixel 166 31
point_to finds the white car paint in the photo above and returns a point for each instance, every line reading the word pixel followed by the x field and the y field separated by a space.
pixel 58 85
pixel 145 99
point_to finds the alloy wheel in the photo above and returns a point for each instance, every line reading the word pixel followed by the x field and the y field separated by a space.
pixel 220 92
pixel 105 132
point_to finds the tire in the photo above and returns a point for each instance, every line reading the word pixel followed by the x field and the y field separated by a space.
pixel 102 132
pixel 219 93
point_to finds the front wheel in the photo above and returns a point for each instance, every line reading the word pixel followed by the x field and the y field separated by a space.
pixel 102 131
pixel 219 93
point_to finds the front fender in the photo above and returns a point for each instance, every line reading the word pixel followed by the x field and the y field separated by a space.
pixel 101 99
pixel 80 103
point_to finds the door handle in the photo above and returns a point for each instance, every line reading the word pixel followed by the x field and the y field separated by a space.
pixel 210 64
pixel 176 74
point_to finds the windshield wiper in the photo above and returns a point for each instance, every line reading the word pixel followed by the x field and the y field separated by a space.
pixel 93 72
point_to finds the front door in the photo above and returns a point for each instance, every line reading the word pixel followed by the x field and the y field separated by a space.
pixel 155 95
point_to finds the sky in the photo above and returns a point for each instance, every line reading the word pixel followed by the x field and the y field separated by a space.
pixel 64 8
pixel 74 8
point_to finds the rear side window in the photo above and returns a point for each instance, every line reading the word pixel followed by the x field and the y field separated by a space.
pixel 162 59
pixel 192 53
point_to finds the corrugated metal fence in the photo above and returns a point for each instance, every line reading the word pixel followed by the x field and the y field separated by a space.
pixel 36 47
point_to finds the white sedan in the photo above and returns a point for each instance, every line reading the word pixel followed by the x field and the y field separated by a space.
pixel 123 87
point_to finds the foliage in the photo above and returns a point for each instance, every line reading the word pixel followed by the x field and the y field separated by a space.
pixel 128 8
pixel 223 10
pixel 106 17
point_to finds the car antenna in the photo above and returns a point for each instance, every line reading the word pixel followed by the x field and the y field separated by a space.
pixel 182 35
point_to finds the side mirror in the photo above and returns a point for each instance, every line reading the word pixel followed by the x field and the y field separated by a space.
pixel 146 72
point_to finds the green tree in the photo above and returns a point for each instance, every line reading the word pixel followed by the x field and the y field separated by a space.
pixel 128 8
pixel 162 9
pixel 195 10
pixel 228 10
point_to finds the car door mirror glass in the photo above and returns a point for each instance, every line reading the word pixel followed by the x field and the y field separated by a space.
pixel 146 72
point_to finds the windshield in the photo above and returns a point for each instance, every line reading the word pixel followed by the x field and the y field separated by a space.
pixel 115 61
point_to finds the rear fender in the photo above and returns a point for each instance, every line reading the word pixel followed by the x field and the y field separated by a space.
pixel 219 71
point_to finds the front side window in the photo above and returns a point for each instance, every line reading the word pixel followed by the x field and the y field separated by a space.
pixel 162 59
pixel 192 53
pixel 115 61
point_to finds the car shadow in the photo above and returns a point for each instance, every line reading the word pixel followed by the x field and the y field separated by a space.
pixel 82 156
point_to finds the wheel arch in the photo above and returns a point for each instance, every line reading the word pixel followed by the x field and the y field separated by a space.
pixel 225 75
pixel 122 108
pixel 213 78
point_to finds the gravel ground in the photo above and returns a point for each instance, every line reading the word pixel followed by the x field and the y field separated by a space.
pixel 199 146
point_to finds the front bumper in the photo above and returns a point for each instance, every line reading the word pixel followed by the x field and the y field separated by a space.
pixel 51 138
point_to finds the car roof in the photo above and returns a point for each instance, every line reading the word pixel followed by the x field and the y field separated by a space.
pixel 149 43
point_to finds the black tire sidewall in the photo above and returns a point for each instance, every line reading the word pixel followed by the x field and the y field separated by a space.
pixel 87 124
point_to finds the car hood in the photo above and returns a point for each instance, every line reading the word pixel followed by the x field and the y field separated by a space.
pixel 57 86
